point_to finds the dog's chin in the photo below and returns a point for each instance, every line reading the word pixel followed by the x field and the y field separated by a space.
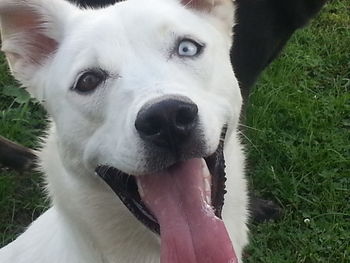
pixel 127 186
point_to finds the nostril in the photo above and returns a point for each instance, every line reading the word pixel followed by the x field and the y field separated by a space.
pixel 168 123
pixel 149 125
pixel 154 126
pixel 186 115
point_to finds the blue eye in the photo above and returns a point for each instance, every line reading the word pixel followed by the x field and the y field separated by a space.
pixel 189 48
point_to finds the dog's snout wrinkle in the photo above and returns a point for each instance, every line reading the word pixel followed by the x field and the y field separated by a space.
pixel 168 123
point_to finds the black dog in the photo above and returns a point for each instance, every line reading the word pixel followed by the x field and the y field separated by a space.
pixel 262 30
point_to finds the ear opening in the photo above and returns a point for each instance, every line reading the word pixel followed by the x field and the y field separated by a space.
pixel 222 10
pixel 24 36
pixel 31 31
pixel 198 4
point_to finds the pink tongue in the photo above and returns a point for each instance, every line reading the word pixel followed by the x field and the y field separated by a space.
pixel 190 231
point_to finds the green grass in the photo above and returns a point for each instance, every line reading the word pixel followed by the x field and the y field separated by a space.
pixel 299 148
pixel 300 145
pixel 21 120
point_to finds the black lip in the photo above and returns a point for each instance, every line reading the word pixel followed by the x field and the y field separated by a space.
pixel 125 187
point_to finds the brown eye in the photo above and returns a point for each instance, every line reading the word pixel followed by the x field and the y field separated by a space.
pixel 89 81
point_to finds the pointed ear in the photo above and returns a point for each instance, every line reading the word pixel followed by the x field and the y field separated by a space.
pixel 31 31
pixel 222 10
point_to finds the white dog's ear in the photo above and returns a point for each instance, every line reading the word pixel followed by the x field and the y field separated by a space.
pixel 31 31
pixel 223 10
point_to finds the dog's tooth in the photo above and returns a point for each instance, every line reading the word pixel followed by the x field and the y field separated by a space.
pixel 205 170
pixel 207 185
pixel 139 186
pixel 207 199
pixel 203 163
pixel 206 182
pixel 207 190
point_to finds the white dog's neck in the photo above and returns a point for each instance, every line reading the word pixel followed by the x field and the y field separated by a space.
pixel 94 217
pixel 101 220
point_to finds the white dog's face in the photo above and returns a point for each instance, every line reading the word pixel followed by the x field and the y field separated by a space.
pixel 135 54
pixel 138 86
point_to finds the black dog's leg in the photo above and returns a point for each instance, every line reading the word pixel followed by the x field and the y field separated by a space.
pixel 16 156
pixel 263 210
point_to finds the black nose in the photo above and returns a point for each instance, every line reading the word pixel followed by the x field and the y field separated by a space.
pixel 168 123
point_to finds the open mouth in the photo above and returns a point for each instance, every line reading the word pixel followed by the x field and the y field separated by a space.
pixel 182 204
pixel 127 189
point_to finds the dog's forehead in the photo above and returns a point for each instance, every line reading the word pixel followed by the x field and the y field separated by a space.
pixel 132 31
pixel 135 19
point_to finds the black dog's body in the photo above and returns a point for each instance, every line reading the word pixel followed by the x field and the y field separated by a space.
pixel 262 29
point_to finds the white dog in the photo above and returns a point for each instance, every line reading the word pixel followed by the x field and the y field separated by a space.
pixel 145 106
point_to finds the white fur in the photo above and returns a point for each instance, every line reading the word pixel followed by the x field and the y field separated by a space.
pixel 133 41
